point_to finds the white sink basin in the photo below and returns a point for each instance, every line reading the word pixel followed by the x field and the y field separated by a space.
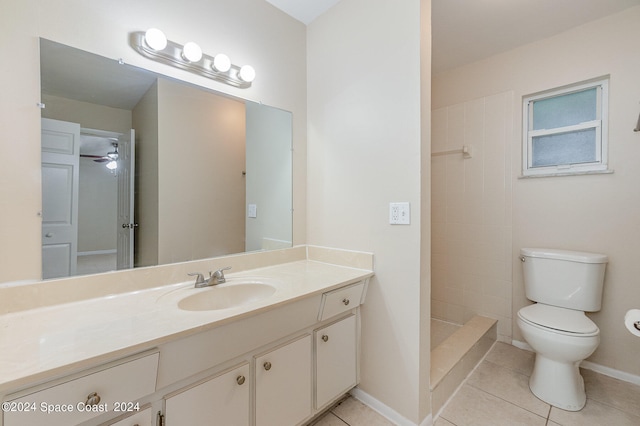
pixel 226 296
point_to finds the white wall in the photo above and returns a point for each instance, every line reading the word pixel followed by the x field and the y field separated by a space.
pixel 364 145
pixel 598 213
pixel 201 156
pixel 268 180
pixel 145 123
pixel 249 31
pixel 97 207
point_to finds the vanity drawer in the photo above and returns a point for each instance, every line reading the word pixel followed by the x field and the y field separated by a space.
pixel 81 397
pixel 341 300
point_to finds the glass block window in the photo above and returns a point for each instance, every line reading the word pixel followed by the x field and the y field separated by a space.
pixel 565 130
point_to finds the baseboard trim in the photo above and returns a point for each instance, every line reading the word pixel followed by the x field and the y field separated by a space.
pixel 598 368
pixel 611 372
pixel 386 411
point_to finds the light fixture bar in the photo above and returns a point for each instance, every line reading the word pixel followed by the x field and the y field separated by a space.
pixel 173 54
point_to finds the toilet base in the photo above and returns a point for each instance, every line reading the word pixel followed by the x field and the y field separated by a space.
pixel 558 383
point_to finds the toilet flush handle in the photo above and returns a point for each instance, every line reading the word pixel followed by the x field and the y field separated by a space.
pixel 522 258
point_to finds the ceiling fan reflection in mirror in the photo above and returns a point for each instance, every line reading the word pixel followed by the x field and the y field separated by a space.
pixel 111 158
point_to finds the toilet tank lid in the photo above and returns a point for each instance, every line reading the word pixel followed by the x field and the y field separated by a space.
pixel 573 256
pixel 562 319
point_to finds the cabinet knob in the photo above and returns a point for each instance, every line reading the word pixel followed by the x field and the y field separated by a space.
pixel 345 301
pixel 325 338
pixel 267 366
pixel 92 399
pixel 240 380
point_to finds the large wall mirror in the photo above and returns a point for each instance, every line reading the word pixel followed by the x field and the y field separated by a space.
pixel 142 170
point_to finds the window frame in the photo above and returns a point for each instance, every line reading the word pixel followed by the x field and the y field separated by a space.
pixel 600 125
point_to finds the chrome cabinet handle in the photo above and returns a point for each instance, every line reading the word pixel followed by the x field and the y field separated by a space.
pixel 345 301
pixel 325 338
pixel 267 366
pixel 92 399
pixel 49 234
pixel 240 380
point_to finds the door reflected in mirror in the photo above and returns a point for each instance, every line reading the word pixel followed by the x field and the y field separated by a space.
pixel 156 171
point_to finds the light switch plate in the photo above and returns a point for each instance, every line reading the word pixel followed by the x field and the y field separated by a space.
pixel 399 213
pixel 252 210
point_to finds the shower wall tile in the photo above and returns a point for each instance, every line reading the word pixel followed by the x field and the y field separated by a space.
pixel 455 126
pixel 439 130
pixel 471 212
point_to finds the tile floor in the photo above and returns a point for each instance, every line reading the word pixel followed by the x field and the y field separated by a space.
pixel 497 393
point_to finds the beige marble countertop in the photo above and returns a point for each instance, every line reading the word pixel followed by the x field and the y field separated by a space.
pixel 40 344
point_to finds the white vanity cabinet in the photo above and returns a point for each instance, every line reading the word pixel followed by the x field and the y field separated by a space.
pixel 273 367
pixel 220 400
pixel 283 384
pixel 335 360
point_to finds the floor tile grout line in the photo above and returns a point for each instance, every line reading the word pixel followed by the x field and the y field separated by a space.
pixel 509 402
pixel 508 368
pixel 339 418
pixel 612 406
pixel 548 416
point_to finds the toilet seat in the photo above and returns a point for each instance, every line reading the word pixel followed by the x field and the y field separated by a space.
pixel 558 320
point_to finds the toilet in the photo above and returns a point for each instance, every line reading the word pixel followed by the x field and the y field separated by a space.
pixel 564 284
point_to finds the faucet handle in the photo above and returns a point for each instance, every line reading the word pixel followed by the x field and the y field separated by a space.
pixel 199 277
pixel 219 274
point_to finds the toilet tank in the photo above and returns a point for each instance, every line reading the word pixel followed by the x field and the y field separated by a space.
pixel 568 279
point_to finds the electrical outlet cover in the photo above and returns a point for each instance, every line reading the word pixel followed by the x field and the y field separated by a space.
pixel 252 210
pixel 399 214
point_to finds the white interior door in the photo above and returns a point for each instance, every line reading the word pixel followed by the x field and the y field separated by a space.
pixel 126 182
pixel 60 177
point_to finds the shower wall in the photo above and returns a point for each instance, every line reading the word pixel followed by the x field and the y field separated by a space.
pixel 471 212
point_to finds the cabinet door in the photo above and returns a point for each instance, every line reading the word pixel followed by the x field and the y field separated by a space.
pixel 283 384
pixel 142 418
pixel 335 359
pixel 222 400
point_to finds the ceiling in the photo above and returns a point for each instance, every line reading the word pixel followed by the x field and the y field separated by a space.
pixel 466 31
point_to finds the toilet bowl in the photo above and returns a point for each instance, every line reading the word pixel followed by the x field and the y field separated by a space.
pixel 561 338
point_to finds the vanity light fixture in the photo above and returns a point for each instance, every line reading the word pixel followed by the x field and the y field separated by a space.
pixel 155 39
pixel 192 52
pixel 153 44
pixel 221 63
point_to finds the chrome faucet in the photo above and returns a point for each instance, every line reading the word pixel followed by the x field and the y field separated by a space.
pixel 215 278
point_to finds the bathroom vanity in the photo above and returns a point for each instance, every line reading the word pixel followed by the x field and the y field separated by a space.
pixel 147 357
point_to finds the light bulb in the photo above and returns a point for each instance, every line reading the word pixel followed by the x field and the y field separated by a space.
pixel 221 63
pixel 155 39
pixel 247 73
pixel 112 165
pixel 191 52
